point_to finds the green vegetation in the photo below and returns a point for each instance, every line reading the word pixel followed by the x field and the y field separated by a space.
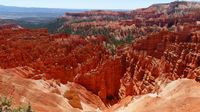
pixel 59 26
pixel 85 31
pixel 6 105
pixel 111 44
pixel 54 25
pixel 51 24
pixel 85 20
pixel 126 40
pixel 31 25
pixel 114 43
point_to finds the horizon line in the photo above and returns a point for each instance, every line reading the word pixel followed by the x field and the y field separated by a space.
pixel 65 8
pixel 114 9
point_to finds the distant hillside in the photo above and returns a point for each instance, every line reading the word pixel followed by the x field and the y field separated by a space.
pixel 11 12
pixel 173 8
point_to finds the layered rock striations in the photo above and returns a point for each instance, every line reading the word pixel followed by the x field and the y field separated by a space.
pixel 136 23
pixel 173 97
pixel 46 95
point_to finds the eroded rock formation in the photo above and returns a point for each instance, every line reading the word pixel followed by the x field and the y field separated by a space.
pixel 46 95
pixel 90 73
pixel 173 97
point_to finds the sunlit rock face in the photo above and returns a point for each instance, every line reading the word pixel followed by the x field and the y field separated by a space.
pixel 172 97
pixel 46 95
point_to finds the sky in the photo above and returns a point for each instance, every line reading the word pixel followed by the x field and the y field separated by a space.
pixel 84 4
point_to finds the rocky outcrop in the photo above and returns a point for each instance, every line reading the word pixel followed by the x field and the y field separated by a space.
pixel 177 8
pixel 10 26
pixel 172 97
pixel 140 77
pixel 97 14
pixel 46 95
pixel 159 58
pixel 104 80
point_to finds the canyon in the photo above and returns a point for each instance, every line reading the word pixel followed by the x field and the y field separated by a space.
pixel 146 60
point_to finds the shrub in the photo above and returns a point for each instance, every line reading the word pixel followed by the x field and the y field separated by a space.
pixel 6 106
